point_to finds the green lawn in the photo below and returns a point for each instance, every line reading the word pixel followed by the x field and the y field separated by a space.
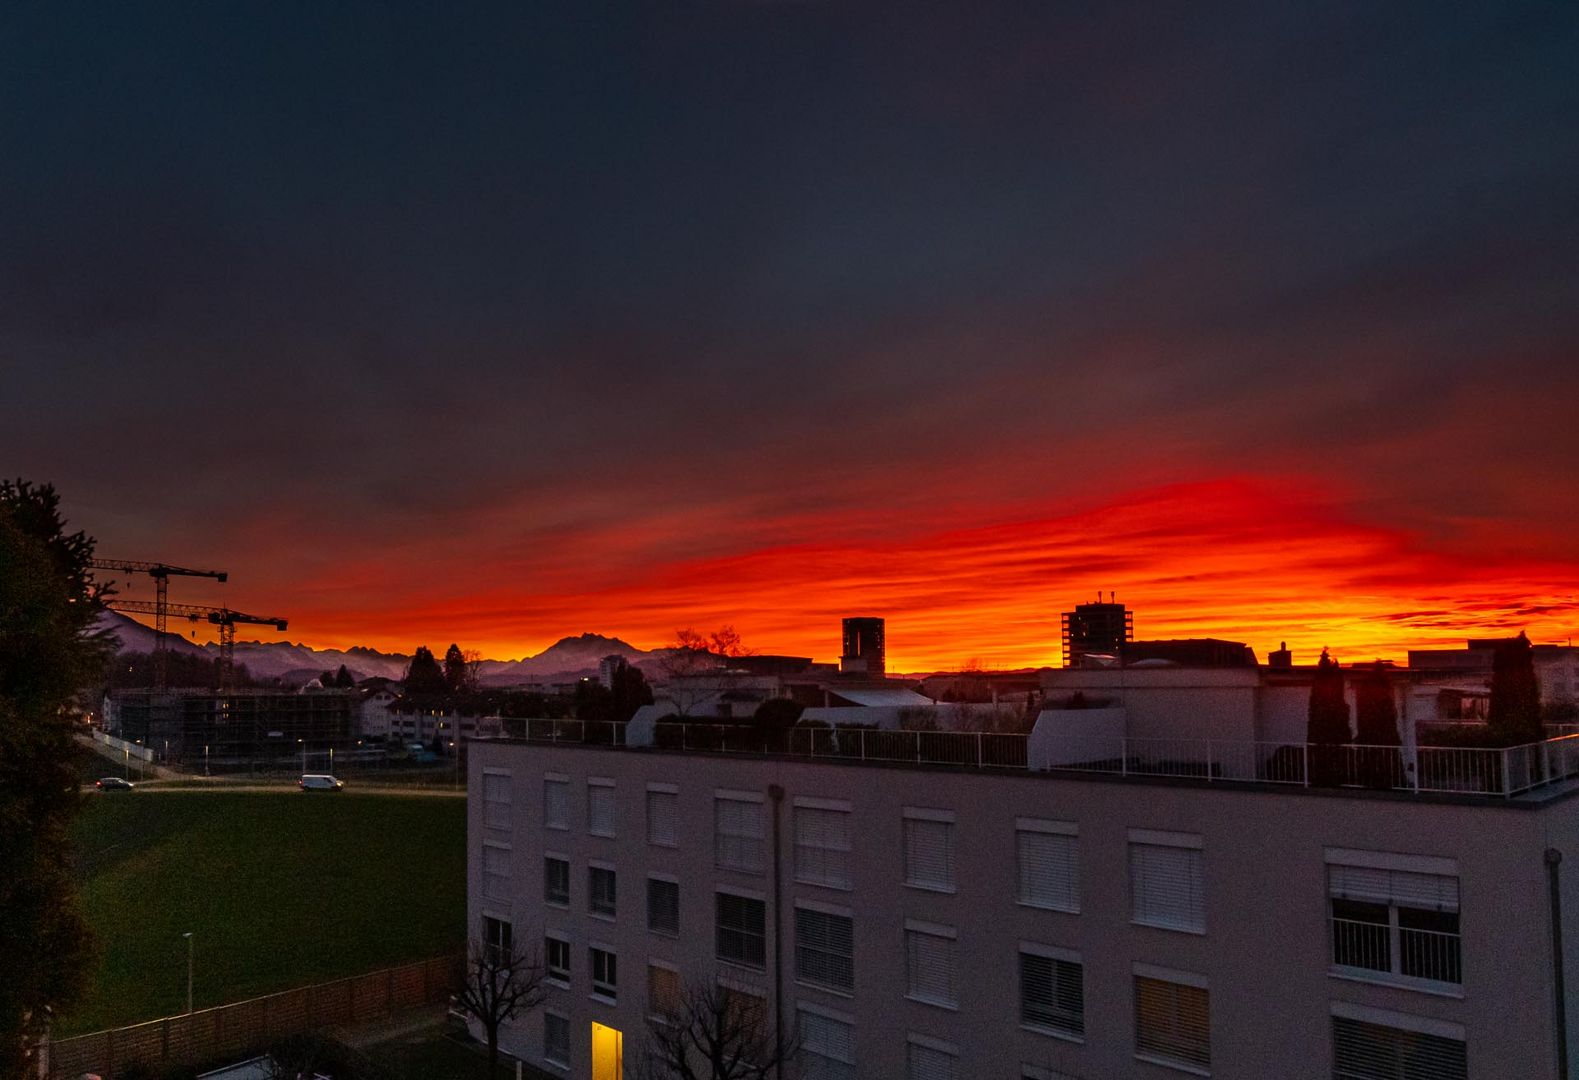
pixel 279 889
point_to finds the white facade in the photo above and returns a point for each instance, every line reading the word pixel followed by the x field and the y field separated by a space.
pixel 960 923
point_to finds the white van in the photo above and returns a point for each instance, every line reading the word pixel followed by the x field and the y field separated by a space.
pixel 319 782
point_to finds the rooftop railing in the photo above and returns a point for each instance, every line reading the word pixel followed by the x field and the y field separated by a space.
pixel 1491 771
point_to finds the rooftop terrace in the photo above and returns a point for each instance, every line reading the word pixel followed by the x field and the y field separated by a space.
pixel 1534 770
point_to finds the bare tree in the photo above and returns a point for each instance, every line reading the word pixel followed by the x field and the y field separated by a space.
pixel 714 1033
pixel 503 980
pixel 681 666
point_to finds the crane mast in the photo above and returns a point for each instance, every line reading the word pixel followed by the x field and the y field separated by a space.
pixel 161 573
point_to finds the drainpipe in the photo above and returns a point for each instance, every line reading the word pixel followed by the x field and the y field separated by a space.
pixel 1554 860
pixel 776 794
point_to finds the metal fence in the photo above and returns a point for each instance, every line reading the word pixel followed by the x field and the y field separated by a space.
pixel 1499 771
pixel 230 1032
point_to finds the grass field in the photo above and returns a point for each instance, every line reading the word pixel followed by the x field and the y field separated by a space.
pixel 279 890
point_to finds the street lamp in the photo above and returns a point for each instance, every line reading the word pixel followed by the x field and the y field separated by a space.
pixel 205 759
pixel 188 936
pixel 303 745
pixel 457 757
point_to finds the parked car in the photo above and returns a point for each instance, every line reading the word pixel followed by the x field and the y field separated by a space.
pixel 113 783
pixel 319 782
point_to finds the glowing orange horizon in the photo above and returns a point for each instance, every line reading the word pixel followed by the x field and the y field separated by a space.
pixel 1241 559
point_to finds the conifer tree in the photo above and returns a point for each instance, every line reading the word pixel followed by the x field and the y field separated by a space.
pixel 1328 726
pixel 48 652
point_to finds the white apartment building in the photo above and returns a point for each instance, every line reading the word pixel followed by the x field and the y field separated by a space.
pixel 926 922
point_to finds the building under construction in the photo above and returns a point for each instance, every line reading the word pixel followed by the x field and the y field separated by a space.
pixel 242 725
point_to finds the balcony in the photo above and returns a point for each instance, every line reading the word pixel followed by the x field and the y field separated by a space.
pixel 1502 772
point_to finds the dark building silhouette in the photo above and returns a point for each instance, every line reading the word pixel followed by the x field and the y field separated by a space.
pixel 864 651
pixel 1191 652
pixel 1099 629
pixel 1280 658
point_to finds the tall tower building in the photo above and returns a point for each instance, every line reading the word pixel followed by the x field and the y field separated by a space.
pixel 863 647
pixel 1100 629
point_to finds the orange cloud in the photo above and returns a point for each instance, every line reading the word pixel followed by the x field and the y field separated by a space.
pixel 1246 559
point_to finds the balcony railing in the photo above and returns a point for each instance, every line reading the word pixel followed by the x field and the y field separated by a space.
pixel 1503 772
pixel 1431 955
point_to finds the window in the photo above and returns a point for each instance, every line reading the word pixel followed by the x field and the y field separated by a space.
pixel 737 833
pixel 557 953
pixel 1040 1072
pixel 663 993
pixel 929 963
pixel 496 941
pixel 556 881
pixel 496 871
pixel 663 906
pixel 827 1047
pixel 605 973
pixel 556 802
pixel 1395 922
pixel 824 949
pixel 602 890
pixel 1172 1021
pixel 1052 991
pixel 929 849
pixel 1047 869
pixel 822 844
pixel 663 816
pixel 1363 1050
pixel 741 925
pixel 928 1059
pixel 556 1039
pixel 496 800
pixel 600 807
pixel 1167 884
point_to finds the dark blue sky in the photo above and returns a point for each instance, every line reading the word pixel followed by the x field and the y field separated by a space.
pixel 552 270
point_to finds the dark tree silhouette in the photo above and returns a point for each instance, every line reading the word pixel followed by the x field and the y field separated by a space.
pixel 454 669
pixel 714 1033
pixel 343 679
pixel 1515 714
pixel 48 651
pixel 301 1056
pixel 617 702
pixel 503 980
pixel 1328 727
pixel 424 677
pixel 1376 728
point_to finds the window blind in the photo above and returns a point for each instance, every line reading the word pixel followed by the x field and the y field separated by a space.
pixel 663 992
pixel 496 800
pixel 1168 886
pixel 824 949
pixel 929 854
pixel 663 818
pixel 1049 875
pixel 827 1048
pixel 926 1063
pixel 1362 1051
pixel 822 846
pixel 1052 994
pixel 1402 888
pixel 556 1038
pixel 495 872
pixel 741 930
pixel 556 804
pixel 1173 1022
pixel 600 809
pixel 737 834
pixel 929 963
pixel 663 906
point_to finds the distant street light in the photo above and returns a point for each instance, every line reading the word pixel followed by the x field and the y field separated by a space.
pixel 188 936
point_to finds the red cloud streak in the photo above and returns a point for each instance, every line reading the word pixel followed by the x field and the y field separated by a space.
pixel 1249 560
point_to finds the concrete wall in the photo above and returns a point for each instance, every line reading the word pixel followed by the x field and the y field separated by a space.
pixel 1265 952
